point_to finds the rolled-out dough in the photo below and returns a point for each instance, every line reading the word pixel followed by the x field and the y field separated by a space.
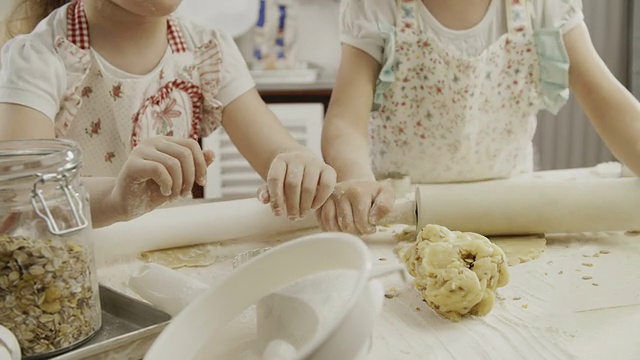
pixel 521 249
pixel 456 273
pixel 208 254
pixel 189 256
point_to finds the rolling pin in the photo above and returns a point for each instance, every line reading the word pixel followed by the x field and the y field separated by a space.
pixel 202 223
pixel 522 206
pixel 517 206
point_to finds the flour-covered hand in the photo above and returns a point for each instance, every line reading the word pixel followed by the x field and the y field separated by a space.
pixel 158 170
pixel 355 207
pixel 298 182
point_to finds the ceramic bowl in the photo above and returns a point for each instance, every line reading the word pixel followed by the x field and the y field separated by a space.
pixel 191 333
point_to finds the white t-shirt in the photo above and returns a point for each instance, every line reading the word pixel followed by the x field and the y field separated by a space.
pixel 359 20
pixel 33 75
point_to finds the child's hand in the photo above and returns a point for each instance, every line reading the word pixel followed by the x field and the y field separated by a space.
pixel 297 182
pixel 158 170
pixel 356 206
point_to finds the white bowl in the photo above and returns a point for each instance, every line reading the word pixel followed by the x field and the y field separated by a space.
pixel 9 347
pixel 348 332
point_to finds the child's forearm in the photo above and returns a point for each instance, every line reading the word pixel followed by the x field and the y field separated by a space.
pixel 616 117
pixel 614 112
pixel 345 148
pixel 103 211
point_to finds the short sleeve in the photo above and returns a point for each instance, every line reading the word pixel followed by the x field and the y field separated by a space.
pixel 557 14
pixel 359 24
pixel 32 75
pixel 235 78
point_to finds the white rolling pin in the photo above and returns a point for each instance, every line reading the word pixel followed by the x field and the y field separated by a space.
pixel 515 206
pixel 530 206
pixel 193 224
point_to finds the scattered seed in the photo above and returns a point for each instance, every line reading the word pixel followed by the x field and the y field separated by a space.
pixel 605 252
pixel 418 309
pixel 587 264
pixel 560 272
pixel 594 284
pixel 587 278
pixel 517 298
pixel 382 259
pixel 525 306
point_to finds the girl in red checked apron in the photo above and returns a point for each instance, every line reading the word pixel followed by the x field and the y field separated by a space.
pixel 136 86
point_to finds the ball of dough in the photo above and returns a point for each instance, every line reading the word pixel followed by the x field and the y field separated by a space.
pixel 456 273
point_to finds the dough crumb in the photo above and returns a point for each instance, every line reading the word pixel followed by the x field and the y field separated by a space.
pixel 525 306
pixel 456 273
pixel 587 264
pixel 407 234
pixel 391 293
pixel 587 278
pixel 596 255
pixel 418 309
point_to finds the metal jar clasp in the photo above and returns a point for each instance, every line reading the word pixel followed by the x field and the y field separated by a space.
pixel 75 203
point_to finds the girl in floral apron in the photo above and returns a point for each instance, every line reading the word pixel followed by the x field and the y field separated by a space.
pixel 448 91
pixel 136 87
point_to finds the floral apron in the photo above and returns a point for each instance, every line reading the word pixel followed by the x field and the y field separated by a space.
pixel 108 116
pixel 438 117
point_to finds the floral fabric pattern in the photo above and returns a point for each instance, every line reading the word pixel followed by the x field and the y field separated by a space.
pixel 438 117
pixel 109 115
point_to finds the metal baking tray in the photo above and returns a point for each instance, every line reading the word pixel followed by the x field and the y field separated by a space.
pixel 129 327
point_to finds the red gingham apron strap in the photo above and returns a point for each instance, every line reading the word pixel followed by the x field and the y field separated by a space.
pixel 77 25
pixel 174 35
pixel 78 29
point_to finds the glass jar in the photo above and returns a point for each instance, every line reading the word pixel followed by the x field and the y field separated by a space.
pixel 48 283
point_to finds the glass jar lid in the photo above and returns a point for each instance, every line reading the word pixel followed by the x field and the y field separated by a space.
pixel 24 159
pixel 40 162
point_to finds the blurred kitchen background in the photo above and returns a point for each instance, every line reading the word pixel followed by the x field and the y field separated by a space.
pixel 296 78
